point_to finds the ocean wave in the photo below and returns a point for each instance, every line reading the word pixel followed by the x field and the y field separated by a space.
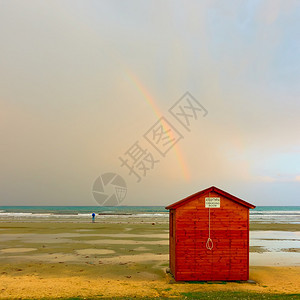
pixel 68 213
pixel 272 212
pixel 80 215
pixel 274 215
pixel 12 214
pixel 153 215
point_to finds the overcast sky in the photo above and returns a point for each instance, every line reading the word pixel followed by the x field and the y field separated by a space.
pixel 82 81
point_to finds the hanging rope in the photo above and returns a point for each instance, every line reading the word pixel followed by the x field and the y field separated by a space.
pixel 209 243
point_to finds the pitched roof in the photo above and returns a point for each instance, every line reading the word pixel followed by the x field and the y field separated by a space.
pixel 211 189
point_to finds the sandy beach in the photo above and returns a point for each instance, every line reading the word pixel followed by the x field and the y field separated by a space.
pixel 127 258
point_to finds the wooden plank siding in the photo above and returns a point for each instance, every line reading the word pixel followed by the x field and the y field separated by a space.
pixel 172 230
pixel 229 231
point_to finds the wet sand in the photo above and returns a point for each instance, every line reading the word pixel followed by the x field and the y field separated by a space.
pixel 128 258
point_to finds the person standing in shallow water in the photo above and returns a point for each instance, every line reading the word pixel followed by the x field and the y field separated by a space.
pixel 93 217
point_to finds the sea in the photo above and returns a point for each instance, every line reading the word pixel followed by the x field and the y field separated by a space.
pixel 262 214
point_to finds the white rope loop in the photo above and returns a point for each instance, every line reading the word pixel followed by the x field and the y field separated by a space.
pixel 209 244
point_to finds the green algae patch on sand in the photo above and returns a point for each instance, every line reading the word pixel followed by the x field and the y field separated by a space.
pixel 89 268
pixel 236 295
pixel 258 249
pixel 291 250
pixel 274 226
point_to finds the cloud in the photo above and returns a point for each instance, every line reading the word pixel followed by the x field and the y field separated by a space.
pixel 278 179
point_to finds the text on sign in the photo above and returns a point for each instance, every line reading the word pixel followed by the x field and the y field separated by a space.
pixel 212 202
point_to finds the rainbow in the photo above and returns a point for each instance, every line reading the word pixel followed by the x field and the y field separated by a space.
pixel 143 91
pixel 146 95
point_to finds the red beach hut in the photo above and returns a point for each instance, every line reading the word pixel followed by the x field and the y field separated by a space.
pixel 209 237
